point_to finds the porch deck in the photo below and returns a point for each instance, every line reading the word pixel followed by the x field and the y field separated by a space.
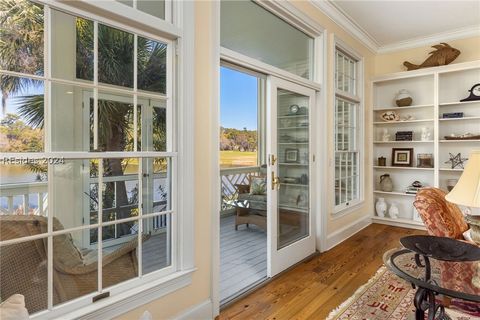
pixel 243 258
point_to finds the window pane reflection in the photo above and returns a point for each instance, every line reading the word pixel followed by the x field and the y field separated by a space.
pixel 151 64
pixel 120 255
pixel 115 56
pixel 21 31
pixel 22 116
pixel 156 245
pixel 75 266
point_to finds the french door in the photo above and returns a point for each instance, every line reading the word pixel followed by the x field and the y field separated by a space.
pixel 291 235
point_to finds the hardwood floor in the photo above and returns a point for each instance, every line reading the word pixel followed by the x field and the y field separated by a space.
pixel 313 288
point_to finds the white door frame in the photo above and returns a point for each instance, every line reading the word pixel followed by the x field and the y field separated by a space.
pixel 279 260
pixel 297 18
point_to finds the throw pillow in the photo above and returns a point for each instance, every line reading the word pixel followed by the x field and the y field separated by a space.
pixel 14 308
pixel 258 186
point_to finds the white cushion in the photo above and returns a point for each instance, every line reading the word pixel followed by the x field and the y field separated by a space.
pixel 14 308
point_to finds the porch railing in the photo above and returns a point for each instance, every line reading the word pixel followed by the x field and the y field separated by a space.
pixel 231 177
pixel 27 192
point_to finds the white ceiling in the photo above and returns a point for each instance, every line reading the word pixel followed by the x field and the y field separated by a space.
pixel 390 23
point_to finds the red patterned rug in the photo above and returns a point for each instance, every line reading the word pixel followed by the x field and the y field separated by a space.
pixel 387 297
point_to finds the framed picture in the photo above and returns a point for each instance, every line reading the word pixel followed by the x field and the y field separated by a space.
pixel 402 157
pixel 291 155
pixel 425 160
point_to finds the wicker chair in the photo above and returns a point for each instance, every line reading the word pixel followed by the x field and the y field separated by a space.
pixel 23 266
pixel 444 219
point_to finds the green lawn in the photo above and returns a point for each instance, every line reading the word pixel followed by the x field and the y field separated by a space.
pixel 230 159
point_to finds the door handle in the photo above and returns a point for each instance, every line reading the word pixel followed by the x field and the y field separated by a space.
pixel 272 159
pixel 275 181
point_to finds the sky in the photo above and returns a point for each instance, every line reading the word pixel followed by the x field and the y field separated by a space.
pixel 11 106
pixel 238 99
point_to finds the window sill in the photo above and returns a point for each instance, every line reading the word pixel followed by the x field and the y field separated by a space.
pixel 338 213
pixel 126 301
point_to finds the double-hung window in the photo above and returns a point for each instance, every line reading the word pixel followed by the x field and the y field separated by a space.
pixel 90 172
pixel 348 131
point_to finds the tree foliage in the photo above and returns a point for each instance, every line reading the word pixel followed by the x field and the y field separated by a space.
pixel 238 140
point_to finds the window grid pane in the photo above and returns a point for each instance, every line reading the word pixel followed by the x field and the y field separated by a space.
pixel 346 132
pixel 79 186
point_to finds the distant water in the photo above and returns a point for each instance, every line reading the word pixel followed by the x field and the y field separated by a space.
pixel 20 174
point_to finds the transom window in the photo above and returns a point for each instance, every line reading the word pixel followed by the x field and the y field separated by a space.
pixel 347 131
pixel 87 191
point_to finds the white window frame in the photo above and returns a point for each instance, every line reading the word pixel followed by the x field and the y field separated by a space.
pixel 357 99
pixel 179 36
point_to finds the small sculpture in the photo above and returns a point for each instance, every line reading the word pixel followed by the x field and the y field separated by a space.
pixel 442 56
pixel 403 98
pixel 386 135
pixel 457 160
pixel 381 207
pixel 425 134
pixel 393 211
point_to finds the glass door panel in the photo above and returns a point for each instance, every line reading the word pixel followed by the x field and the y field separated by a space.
pixel 290 232
pixel 293 167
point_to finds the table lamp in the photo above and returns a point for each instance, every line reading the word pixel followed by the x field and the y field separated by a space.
pixel 467 193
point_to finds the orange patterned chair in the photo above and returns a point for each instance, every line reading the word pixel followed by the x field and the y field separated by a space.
pixel 444 219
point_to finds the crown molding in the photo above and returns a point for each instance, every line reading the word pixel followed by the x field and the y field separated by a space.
pixel 347 24
pixel 461 33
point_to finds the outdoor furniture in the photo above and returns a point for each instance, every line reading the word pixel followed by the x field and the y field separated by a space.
pixel 23 266
pixel 250 208
pixel 421 263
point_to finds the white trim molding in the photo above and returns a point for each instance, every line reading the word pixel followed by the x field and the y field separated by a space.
pixel 126 301
pixel 462 33
pixel 201 311
pixel 289 13
pixel 348 24
pixel 346 232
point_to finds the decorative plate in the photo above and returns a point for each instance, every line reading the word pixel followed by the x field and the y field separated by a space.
pixel 390 116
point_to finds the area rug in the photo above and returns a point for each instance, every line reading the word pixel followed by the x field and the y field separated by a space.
pixel 386 296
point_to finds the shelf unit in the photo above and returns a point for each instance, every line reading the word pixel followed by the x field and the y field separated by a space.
pixel 434 91
pixel 293 132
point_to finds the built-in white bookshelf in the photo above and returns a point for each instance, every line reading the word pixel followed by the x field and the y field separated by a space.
pixel 434 91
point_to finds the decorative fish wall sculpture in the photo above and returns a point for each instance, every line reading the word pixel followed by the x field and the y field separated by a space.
pixel 440 57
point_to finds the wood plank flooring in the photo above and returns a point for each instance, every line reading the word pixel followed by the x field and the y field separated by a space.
pixel 243 257
pixel 313 288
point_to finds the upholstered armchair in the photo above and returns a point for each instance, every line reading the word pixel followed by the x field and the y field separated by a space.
pixel 444 219
pixel 23 266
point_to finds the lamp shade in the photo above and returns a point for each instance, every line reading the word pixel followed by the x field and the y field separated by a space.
pixel 467 190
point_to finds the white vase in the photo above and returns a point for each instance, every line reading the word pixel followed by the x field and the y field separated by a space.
pixel 393 211
pixel 381 207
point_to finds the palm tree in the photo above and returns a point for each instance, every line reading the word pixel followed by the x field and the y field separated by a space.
pixel 21 49
pixel 21 45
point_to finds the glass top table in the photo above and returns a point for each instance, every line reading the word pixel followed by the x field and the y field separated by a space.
pixel 437 265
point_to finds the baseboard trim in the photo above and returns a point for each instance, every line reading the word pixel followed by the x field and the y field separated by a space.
pixel 201 311
pixel 346 232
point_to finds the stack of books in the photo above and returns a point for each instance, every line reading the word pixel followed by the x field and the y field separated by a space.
pixel 404 136
pixel 412 190
pixel 452 115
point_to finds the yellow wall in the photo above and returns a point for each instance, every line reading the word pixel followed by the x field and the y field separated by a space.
pixel 393 62
pixel 344 220
pixel 199 290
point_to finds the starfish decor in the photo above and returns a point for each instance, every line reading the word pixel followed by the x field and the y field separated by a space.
pixel 457 161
